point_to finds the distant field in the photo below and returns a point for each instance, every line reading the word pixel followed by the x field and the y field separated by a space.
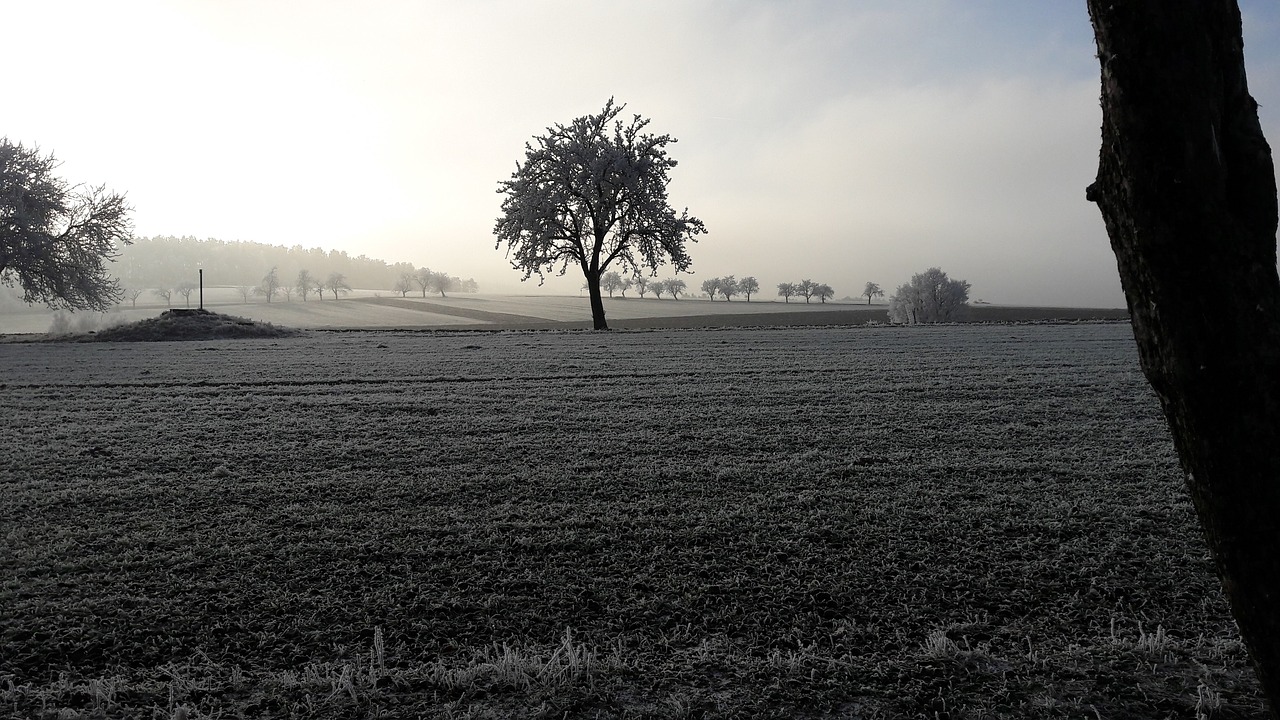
pixel 867 522
pixel 366 309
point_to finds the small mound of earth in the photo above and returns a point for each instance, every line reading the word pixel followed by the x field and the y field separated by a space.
pixel 185 325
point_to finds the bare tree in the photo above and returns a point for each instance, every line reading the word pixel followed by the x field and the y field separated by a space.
pixel 1186 186
pixel 674 287
pixel 164 293
pixel 305 284
pixel 593 193
pixel 133 296
pixel 404 284
pixel 269 286
pixel 658 287
pixel 336 283
pixel 185 289
pixel 872 290
pixel 824 292
pixel 56 239
pixel 711 286
pixel 787 291
pixel 806 288
pixel 425 280
pixel 642 284
pixel 288 292
pixel 441 281
pixel 749 286
pixel 245 292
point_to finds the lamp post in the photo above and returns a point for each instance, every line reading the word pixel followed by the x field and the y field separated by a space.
pixel 201 288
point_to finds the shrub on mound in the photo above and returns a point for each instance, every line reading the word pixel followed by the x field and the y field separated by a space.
pixel 187 325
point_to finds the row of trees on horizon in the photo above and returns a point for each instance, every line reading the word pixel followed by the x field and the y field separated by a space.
pixel 168 262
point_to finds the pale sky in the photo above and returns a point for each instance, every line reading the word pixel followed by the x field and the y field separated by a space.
pixel 840 140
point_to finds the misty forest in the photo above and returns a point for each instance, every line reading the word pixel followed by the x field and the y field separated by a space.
pixel 246 480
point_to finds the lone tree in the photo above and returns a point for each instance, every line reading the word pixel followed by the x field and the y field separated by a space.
pixel 872 290
pixel 592 193
pixel 1186 186
pixel 185 288
pixel 335 283
pixel 930 297
pixel 55 239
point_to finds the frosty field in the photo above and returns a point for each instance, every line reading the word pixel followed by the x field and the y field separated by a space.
pixel 935 522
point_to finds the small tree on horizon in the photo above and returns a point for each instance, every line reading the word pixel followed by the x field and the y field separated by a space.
pixel 787 291
pixel 404 284
pixel 185 288
pixel 336 283
pixel 305 284
pixel 642 284
pixel 749 286
pixel 872 290
pixel 823 291
pixel 269 286
pixel 658 287
pixel 710 287
pixel 165 293
pixel 728 287
pixel 133 296
pixel 806 288
pixel 610 282
pixel 674 287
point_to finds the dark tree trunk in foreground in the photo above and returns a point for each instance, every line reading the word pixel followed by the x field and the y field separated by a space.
pixel 1187 188
pixel 597 300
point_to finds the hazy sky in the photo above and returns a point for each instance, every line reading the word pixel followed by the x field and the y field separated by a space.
pixel 838 140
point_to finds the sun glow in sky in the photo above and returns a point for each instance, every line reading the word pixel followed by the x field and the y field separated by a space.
pixel 840 141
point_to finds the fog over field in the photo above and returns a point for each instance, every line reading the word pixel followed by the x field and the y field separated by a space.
pixel 847 142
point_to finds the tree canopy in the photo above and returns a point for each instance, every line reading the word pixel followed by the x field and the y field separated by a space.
pixel 592 193
pixel 930 297
pixel 56 239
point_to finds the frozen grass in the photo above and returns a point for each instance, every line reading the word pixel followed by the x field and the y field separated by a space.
pixel 863 522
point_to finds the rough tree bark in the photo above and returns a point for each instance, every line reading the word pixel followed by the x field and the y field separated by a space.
pixel 1187 188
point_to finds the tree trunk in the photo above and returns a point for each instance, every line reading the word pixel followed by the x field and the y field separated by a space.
pixel 1187 188
pixel 597 302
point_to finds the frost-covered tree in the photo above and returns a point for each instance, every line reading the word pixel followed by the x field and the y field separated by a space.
pixel 749 286
pixel 625 286
pixel 658 287
pixel 305 284
pixel 824 292
pixel 642 284
pixel 806 288
pixel 269 286
pixel 404 284
pixel 787 291
pixel 674 287
pixel 441 282
pixel 336 283
pixel 872 290
pixel 930 297
pixel 185 289
pixel 593 193
pixel 56 239
pixel 611 282
pixel 710 287
pixel 728 287
pixel 425 279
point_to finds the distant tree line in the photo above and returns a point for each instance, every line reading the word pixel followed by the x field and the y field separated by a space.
pixel 167 263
